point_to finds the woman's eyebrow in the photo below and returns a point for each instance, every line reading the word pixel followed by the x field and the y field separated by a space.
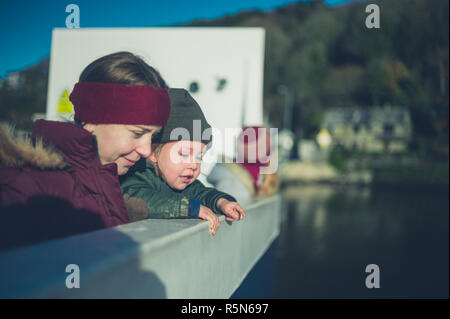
pixel 148 129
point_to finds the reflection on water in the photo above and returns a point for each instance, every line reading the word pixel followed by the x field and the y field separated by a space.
pixel 329 234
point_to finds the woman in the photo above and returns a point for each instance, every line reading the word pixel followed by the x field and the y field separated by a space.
pixel 64 180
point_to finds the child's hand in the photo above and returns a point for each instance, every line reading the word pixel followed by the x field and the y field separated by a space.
pixel 207 214
pixel 232 210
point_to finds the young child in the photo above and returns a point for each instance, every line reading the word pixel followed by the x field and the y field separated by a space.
pixel 165 185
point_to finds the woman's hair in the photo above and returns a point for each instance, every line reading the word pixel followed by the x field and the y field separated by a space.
pixel 121 68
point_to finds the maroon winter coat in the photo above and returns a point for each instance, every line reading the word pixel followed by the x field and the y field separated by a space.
pixel 55 188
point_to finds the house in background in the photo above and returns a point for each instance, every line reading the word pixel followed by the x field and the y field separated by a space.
pixel 374 130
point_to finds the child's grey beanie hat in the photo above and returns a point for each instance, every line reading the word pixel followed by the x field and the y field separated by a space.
pixel 186 120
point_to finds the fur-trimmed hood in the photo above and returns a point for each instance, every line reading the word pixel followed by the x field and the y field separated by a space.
pixel 17 150
pixel 53 185
pixel 53 145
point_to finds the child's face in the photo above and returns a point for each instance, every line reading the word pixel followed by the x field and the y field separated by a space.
pixel 179 162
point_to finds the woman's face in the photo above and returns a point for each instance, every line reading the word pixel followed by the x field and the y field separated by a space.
pixel 122 144
pixel 179 162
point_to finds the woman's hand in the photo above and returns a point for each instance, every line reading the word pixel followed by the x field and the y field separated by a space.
pixel 232 210
pixel 207 214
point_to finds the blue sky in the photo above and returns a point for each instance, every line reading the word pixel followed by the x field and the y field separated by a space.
pixel 26 26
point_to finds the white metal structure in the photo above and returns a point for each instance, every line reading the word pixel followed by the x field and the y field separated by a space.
pixel 226 64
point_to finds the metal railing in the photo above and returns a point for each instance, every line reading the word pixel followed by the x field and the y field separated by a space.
pixel 153 258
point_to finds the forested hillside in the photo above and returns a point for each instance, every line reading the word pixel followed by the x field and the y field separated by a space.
pixel 327 57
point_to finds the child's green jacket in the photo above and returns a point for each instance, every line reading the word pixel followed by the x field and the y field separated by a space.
pixel 162 201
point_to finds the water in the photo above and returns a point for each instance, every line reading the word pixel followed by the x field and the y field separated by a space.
pixel 329 234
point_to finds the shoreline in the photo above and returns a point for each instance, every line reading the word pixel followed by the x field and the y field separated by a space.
pixel 297 172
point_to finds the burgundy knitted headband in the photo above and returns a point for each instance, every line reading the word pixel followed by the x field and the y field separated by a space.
pixel 109 103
